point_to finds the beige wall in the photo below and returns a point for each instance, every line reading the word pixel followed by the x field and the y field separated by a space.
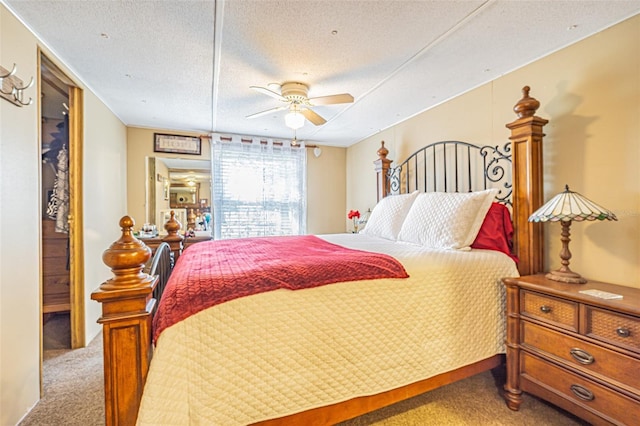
pixel 326 179
pixel 104 202
pixel 326 191
pixel 19 232
pixel 590 92
pixel 104 198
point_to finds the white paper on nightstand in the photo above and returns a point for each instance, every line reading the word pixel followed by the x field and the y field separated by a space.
pixel 601 294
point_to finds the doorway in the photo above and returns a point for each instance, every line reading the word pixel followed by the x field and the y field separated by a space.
pixel 61 213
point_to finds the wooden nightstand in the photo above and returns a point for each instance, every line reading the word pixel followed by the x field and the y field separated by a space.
pixel 579 352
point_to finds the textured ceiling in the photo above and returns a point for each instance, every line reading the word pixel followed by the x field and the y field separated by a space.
pixel 188 65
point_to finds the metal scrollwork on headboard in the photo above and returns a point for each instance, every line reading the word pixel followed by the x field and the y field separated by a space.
pixel 496 172
pixel 394 179
pixel 455 166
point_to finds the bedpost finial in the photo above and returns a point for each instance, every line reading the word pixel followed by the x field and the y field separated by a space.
pixel 126 257
pixel 527 106
pixel 382 152
pixel 127 223
pixel 172 226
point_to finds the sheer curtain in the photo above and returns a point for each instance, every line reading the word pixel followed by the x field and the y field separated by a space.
pixel 258 189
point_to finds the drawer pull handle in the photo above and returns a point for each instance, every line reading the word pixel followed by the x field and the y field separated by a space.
pixel 583 357
pixel 545 309
pixel 623 332
pixel 582 393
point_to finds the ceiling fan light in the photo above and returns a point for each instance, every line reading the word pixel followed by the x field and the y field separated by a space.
pixel 294 120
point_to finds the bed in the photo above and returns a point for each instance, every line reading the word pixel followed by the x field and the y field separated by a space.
pixel 331 352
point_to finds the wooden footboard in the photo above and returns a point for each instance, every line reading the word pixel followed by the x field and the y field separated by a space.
pixel 128 302
pixel 160 265
pixel 332 414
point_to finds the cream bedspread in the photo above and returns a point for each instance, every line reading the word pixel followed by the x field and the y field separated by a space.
pixel 282 352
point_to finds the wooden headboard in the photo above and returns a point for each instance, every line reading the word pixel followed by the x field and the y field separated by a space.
pixel 453 166
pixel 456 166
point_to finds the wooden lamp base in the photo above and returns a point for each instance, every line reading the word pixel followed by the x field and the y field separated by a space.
pixel 564 274
pixel 567 276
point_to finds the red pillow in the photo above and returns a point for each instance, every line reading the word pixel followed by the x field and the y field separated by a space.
pixel 496 232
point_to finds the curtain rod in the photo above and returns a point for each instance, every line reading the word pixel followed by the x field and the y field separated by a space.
pixel 262 141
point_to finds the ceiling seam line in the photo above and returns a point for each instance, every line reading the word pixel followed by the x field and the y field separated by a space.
pixel 406 63
pixel 435 42
pixel 218 12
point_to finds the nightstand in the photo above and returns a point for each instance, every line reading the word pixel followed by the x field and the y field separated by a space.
pixel 577 351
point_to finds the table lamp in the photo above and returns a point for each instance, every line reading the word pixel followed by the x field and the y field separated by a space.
pixel 564 208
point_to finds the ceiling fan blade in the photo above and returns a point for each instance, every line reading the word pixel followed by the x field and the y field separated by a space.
pixel 313 117
pixel 268 111
pixel 268 92
pixel 343 98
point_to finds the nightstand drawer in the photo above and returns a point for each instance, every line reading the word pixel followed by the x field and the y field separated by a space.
pixel 618 329
pixel 559 312
pixel 622 370
pixel 579 390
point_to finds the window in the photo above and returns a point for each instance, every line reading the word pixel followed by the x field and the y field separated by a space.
pixel 258 189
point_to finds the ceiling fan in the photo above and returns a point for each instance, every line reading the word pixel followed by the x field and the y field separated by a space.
pixel 294 94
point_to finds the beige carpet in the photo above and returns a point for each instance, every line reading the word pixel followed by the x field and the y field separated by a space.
pixel 470 402
pixel 73 396
pixel 73 381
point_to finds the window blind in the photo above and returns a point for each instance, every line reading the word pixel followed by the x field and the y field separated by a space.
pixel 258 189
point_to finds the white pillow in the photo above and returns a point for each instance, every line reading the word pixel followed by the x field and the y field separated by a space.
pixel 446 220
pixel 387 216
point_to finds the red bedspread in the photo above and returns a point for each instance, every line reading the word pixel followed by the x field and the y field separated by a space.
pixel 213 272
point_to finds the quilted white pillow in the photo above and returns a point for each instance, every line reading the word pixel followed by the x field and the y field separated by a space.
pixel 388 215
pixel 446 220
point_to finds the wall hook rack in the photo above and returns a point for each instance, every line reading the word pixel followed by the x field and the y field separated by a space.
pixel 12 88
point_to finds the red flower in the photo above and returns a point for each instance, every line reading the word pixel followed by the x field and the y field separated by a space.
pixel 353 214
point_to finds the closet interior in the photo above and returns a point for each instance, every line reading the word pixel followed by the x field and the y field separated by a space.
pixel 56 300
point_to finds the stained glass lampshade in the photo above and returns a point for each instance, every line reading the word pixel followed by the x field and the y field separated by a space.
pixel 564 208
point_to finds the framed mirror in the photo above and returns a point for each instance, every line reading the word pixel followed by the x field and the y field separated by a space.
pixel 177 184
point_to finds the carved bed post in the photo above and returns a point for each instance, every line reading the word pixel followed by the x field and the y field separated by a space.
pixel 173 238
pixel 526 146
pixel 382 165
pixel 127 304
